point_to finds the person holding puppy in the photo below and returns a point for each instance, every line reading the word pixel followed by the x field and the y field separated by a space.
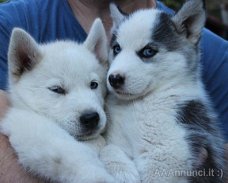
pixel 71 19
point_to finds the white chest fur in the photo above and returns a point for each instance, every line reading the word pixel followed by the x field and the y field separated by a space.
pixel 147 125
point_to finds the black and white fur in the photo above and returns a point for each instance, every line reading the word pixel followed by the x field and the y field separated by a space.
pixel 160 114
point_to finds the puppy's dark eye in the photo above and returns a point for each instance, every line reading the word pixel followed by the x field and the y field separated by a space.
pixel 58 90
pixel 147 52
pixel 116 49
pixel 93 85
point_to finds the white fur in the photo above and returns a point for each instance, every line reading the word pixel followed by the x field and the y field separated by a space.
pixel 41 124
pixel 143 112
pixel 149 135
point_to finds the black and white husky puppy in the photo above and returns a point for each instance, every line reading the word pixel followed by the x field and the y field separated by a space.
pixel 160 113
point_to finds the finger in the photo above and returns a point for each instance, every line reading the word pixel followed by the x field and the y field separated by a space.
pixel 151 3
pixel 4 103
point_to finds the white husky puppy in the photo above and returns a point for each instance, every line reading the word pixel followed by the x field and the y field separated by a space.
pixel 57 92
pixel 160 114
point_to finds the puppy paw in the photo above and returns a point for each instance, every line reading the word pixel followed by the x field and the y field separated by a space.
pixel 104 179
pixel 96 144
pixel 95 175
pixel 123 177
pixel 119 165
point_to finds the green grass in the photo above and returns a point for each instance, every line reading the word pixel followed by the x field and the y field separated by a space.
pixel 1 1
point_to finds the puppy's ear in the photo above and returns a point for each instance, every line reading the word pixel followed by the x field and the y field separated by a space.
pixel 97 42
pixel 190 20
pixel 117 16
pixel 23 53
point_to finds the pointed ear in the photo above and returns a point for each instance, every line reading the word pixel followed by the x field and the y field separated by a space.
pixel 23 53
pixel 190 20
pixel 97 42
pixel 117 16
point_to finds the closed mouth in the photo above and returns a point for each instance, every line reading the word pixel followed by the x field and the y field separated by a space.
pixel 84 135
pixel 119 92
pixel 131 95
pixel 87 135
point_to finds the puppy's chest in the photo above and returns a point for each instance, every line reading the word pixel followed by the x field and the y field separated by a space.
pixel 145 124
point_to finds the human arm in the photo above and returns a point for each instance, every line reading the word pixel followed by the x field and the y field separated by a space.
pixel 10 170
pixel 4 103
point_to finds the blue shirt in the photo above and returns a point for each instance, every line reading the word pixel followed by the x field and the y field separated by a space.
pixel 48 20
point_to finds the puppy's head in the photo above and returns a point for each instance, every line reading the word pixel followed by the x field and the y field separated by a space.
pixel 63 81
pixel 150 49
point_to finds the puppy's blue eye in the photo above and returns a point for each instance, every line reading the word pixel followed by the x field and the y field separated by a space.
pixel 116 49
pixel 147 52
pixel 58 90
pixel 93 85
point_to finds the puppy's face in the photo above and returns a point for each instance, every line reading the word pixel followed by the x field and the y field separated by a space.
pixel 63 81
pixel 67 86
pixel 150 49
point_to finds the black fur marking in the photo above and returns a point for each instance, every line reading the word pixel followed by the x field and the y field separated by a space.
pixel 203 133
pixel 195 113
pixel 113 40
pixel 209 166
pixel 153 51
pixel 122 12
pixel 204 4
pixel 165 33
pixel 115 47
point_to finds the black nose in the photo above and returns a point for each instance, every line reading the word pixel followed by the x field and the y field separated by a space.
pixel 90 120
pixel 116 81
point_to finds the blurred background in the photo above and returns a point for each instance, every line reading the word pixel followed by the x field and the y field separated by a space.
pixel 217 14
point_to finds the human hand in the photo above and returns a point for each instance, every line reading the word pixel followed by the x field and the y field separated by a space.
pixel 4 103
pixel 10 170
